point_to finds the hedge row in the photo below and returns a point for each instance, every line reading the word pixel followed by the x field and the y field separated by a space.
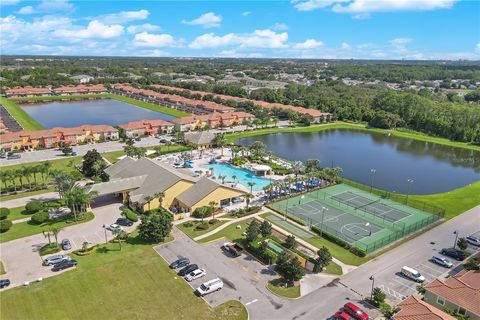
pixel 130 215
pixel 248 211
pixel 342 243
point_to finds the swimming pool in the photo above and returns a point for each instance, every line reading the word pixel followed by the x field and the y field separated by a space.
pixel 243 176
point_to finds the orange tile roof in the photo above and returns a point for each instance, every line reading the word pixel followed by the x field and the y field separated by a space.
pixel 463 289
pixel 27 90
pixel 414 308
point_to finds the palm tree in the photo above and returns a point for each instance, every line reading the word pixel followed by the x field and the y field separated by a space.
pixel 119 234
pixel 148 199
pixel 220 141
pixel 45 170
pixel 78 199
pixel 3 178
pixel 46 234
pixel 251 184
pixel 222 178
pixel 234 177
pixel 159 196
pixel 297 168
pixel 55 232
pixel 235 151
pixel 248 197
pixel 35 170
pixel 212 205
pixel 26 171
pixel 13 175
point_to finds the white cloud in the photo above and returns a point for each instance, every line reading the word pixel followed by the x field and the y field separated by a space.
pixel 95 29
pixel 361 16
pixel 246 13
pixel 145 39
pixel 207 20
pixel 142 28
pixel 279 27
pixel 346 46
pixel 9 2
pixel 257 39
pixel 400 43
pixel 26 10
pixel 154 53
pixel 370 6
pixel 477 48
pixel 308 44
pixel 123 16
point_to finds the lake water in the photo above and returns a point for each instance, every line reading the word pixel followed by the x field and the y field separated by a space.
pixel 76 113
pixel 433 167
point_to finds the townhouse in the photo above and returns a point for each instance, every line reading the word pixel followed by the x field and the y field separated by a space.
pixel 19 92
pixel 147 127
pixel 80 89
pixel 52 138
pixel 213 120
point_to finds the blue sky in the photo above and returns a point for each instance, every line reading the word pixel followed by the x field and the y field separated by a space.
pixel 362 29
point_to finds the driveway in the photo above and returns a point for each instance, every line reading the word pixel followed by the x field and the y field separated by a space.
pixel 244 277
pixel 22 261
pixel 20 202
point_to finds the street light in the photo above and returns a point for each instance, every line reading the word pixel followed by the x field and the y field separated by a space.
pixel 372 278
pixel 371 181
pixel 369 228
pixel 300 199
pixel 321 224
pixel 456 238
pixel 410 181
pixel 105 230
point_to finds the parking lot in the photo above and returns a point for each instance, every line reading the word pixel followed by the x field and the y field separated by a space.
pixel 244 278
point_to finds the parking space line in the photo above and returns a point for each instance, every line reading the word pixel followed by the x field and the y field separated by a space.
pixel 403 285
pixel 392 292
pixel 429 267
pixel 74 244
pixel 250 302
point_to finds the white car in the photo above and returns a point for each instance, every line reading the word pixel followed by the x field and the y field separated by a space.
pixel 210 286
pixel 473 240
pixel 195 274
pixel 114 227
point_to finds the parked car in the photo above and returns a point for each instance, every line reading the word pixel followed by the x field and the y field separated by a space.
pixel 442 261
pixel 340 315
pixel 180 263
pixel 124 222
pixel 64 265
pixel 3 155
pixel 186 270
pixel 163 140
pixel 74 153
pixel 453 253
pixel 355 311
pixel 138 138
pixel 55 259
pixel 195 274
pixel 473 240
pixel 4 283
pixel 412 274
pixel 66 245
pixel 13 156
pixel 230 249
pixel 210 286
pixel 114 227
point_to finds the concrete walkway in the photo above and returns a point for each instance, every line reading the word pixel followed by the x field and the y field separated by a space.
pixel 21 220
pixel 20 202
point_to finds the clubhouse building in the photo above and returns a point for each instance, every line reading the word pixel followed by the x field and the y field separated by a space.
pixel 147 184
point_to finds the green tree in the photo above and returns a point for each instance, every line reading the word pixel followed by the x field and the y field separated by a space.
pixel 462 244
pixel 65 148
pixel 252 231
pixel 55 231
pixel 220 141
pixel 294 270
pixel 63 182
pixel 324 257
pixel 251 184
pixel 378 296
pixel 155 227
pixel 265 228
pixel 290 241
pixel 90 163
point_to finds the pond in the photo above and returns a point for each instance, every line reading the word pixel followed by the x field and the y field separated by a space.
pixel 433 167
pixel 76 113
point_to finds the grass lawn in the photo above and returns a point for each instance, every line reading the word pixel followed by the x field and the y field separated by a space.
pixel 17 213
pixel 231 232
pixel 117 284
pixel 114 155
pixel 21 116
pixel 277 286
pixel 334 269
pixel 151 106
pixel 25 229
pixel 338 252
pixel 189 227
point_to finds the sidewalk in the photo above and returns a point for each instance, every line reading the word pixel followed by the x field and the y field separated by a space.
pixel 20 202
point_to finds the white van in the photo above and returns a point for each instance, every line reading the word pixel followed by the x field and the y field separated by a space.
pixel 412 274
pixel 210 286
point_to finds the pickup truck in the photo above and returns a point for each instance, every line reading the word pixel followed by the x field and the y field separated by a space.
pixel 231 249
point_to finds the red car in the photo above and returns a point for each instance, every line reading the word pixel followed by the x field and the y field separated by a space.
pixel 340 315
pixel 355 311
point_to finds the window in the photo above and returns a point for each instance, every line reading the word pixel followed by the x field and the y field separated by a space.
pixel 461 311
pixel 440 301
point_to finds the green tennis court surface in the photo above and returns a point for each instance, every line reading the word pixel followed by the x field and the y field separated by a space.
pixel 366 221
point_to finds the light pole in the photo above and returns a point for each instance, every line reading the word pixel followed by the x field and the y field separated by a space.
pixel 105 230
pixel 456 238
pixel 372 278
pixel 371 180
pixel 286 210
pixel 369 228
pixel 300 199
pixel 321 224
pixel 410 181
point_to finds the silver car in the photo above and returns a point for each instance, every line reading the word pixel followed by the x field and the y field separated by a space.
pixel 440 260
pixel 55 259
pixel 66 245
pixel 474 241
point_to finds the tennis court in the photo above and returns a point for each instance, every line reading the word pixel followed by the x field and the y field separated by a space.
pixel 366 221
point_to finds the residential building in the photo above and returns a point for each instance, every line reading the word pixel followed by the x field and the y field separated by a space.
pixel 460 293
pixel 413 308
pixel 80 89
pixel 18 92
pixel 200 139
pixel 147 127
pixel 147 184
pixel 213 120
pixel 82 78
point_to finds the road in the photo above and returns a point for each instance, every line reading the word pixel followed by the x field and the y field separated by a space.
pixel 22 261
pixel 20 202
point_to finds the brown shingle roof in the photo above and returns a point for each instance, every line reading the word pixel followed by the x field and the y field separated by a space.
pixel 413 308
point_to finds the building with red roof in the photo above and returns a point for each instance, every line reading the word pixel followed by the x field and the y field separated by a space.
pixel 413 308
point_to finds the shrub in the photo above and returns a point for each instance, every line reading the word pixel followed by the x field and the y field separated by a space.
pixel 202 212
pixel 202 226
pixel 33 206
pixel 5 225
pixel 130 215
pixel 342 243
pixel 212 221
pixel 49 248
pixel 4 212
pixel 40 217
